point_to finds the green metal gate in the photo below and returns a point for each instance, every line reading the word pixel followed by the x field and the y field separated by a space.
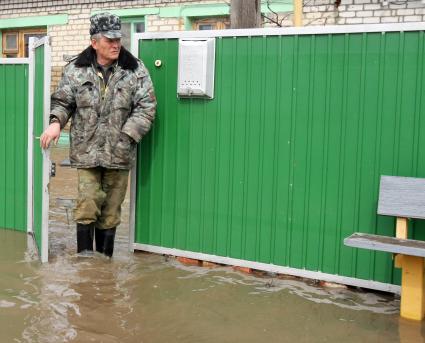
pixel 24 168
pixel 285 161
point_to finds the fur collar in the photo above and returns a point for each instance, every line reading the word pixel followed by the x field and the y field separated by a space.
pixel 125 59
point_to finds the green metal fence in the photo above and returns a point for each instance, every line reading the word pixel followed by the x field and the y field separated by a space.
pixel 285 161
pixel 13 143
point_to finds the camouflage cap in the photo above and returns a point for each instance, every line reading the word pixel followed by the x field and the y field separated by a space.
pixel 107 24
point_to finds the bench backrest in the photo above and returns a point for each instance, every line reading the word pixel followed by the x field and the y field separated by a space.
pixel 402 197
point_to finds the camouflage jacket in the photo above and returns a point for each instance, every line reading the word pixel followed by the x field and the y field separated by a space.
pixel 107 123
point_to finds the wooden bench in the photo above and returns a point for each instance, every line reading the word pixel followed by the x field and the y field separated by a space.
pixel 403 198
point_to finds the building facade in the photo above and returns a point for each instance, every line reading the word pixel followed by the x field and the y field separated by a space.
pixel 67 21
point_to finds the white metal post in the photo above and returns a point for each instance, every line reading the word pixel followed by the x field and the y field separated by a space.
pixel 46 153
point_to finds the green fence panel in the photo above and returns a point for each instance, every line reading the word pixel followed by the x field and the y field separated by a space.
pixel 13 145
pixel 285 161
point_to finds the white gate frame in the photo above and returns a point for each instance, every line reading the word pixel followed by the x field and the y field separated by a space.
pixel 33 44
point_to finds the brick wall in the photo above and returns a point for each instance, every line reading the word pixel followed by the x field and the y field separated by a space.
pixel 33 6
pixel 325 12
pixel 155 23
pixel 70 39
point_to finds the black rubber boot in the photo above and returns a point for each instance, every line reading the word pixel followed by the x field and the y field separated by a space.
pixel 105 241
pixel 85 237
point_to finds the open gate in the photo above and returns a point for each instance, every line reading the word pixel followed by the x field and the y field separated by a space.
pixel 38 159
pixel 24 167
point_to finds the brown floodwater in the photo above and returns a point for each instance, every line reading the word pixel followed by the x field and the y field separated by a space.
pixel 152 298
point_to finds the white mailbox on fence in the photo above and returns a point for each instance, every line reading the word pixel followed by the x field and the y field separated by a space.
pixel 196 68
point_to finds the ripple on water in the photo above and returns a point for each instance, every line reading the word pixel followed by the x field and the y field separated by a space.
pixel 343 298
pixel 6 304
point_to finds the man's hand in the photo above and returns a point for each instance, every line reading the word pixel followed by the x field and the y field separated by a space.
pixel 51 133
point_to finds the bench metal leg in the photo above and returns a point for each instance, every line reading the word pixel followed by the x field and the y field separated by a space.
pixel 412 288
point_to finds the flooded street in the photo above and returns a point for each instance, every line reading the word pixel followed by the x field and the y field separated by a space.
pixel 151 298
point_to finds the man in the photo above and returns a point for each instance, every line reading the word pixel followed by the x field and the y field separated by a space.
pixel 109 96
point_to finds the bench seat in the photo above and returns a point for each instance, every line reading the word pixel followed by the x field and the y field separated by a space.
pixel 389 244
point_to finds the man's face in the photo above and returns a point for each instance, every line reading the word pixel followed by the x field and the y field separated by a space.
pixel 107 49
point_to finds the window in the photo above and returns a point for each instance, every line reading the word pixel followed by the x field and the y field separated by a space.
pixel 15 42
pixel 27 37
pixel 130 26
pixel 10 44
pixel 205 27
pixel 211 23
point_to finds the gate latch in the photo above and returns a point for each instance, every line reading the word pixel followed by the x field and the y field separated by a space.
pixel 52 169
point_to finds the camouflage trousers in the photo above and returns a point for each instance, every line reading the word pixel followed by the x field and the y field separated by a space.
pixel 101 192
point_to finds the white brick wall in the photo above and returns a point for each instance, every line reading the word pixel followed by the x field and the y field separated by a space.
pixel 70 39
pixel 364 11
